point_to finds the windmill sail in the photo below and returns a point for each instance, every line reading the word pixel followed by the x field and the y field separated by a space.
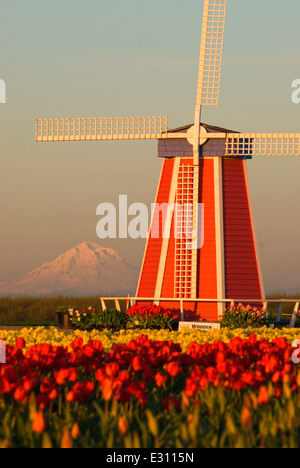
pixel 208 87
pixel 211 53
pixel 263 144
pixel 102 128
pixel 210 63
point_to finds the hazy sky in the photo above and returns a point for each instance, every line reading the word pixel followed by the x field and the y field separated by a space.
pixel 93 58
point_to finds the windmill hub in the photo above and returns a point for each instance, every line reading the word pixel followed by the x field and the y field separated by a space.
pixel 203 135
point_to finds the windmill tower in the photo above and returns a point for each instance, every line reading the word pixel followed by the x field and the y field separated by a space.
pixel 211 255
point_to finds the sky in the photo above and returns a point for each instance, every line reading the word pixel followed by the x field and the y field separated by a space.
pixel 94 58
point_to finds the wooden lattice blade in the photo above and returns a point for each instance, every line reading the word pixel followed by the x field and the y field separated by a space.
pixel 211 53
pixel 102 128
pixel 262 144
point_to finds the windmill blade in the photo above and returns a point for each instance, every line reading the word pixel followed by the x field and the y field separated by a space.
pixel 262 144
pixel 103 128
pixel 211 53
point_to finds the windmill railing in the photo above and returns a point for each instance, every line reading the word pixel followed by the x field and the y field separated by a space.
pixel 130 301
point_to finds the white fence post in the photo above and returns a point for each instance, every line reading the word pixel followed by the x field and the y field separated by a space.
pixel 182 310
pixel 294 316
pixel 279 312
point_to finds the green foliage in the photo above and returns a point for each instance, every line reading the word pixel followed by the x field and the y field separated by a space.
pixel 87 319
pixel 111 319
pixel 216 422
pixel 98 319
pixel 148 322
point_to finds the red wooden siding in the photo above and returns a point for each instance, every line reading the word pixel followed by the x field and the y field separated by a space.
pixel 169 276
pixel 207 266
pixel 148 278
pixel 242 278
pixel 207 274
pixel 241 268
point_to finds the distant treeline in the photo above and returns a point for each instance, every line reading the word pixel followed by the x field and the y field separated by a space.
pixel 42 310
pixel 39 310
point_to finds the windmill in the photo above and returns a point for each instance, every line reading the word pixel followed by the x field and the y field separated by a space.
pixel 202 165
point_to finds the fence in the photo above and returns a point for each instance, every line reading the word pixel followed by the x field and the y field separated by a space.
pixel 130 301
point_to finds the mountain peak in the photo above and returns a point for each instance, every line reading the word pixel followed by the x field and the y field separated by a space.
pixel 87 269
pixel 89 246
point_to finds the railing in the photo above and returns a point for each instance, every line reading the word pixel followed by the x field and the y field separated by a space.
pixel 130 301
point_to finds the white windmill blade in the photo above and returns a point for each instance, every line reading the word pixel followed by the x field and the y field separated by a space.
pixel 208 87
pixel 102 128
pixel 211 53
pixel 262 144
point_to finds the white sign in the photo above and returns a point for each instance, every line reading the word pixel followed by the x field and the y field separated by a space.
pixel 200 325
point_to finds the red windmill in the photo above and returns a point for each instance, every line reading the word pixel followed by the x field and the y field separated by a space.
pixel 201 257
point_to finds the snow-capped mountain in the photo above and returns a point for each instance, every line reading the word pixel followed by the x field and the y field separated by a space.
pixel 87 269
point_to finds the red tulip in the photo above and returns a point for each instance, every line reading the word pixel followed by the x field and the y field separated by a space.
pixel 112 369
pixel 173 368
pixel 20 343
pixel 160 379
pixel 20 394
pixel 62 376
pixel 137 364
pixel 107 390
pixel 39 423
pixel 123 426
pixel 263 398
pixel 75 432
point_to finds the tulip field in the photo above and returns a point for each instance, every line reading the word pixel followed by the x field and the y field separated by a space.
pixel 150 389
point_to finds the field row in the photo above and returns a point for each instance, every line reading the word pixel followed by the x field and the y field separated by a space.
pixel 52 335
pixel 160 389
